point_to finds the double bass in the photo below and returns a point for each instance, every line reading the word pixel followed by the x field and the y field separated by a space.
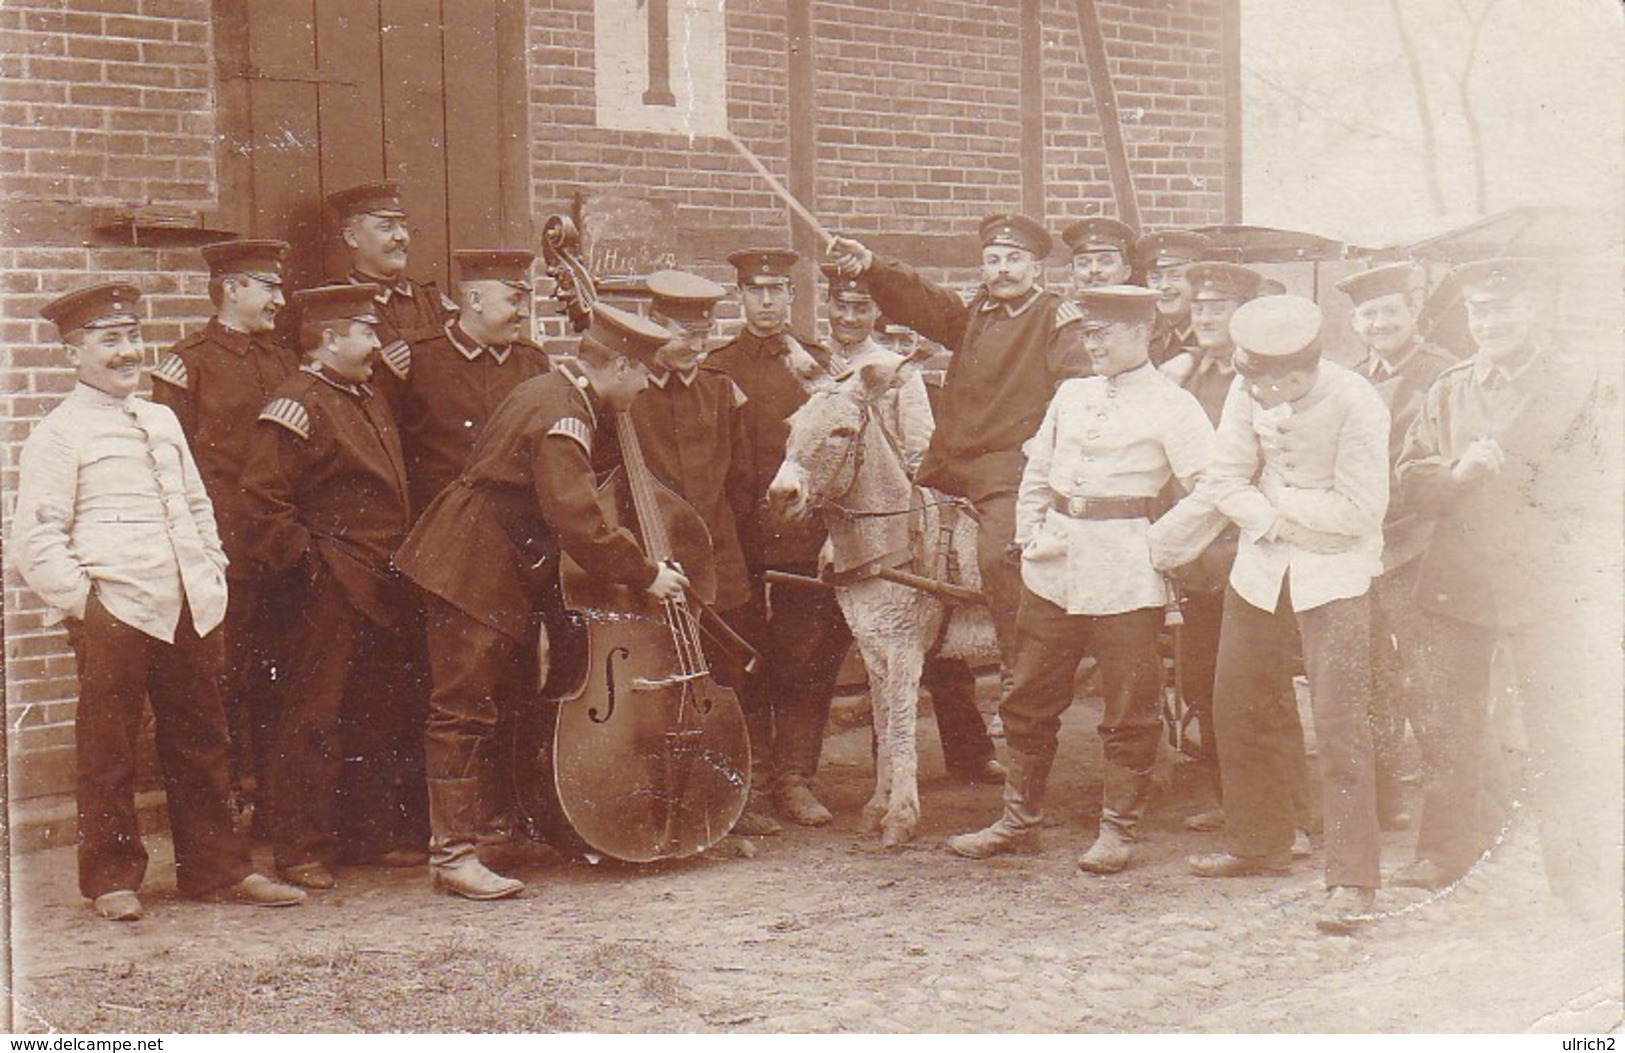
pixel 648 756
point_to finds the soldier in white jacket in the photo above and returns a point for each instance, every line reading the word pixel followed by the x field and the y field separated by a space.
pixel 114 531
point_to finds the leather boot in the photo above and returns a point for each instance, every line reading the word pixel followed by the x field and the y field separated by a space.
pixel 757 818
pixel 454 867
pixel 1122 803
pixel 1016 830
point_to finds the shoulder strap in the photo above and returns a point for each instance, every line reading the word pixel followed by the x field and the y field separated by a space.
pixel 289 413
pixel 397 358
pixel 574 428
pixel 172 370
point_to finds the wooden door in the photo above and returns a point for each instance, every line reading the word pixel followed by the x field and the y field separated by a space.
pixel 318 95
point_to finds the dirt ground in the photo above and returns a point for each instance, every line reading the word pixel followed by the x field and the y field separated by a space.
pixel 818 930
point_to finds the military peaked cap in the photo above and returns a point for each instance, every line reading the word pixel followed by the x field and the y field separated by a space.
pixel 1098 233
pixel 1379 281
pixel 684 298
pixel 372 199
pixel 764 266
pixel 508 266
pixel 93 307
pixel 1014 229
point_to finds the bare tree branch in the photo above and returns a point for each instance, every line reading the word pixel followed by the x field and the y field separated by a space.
pixel 1430 140
pixel 1475 132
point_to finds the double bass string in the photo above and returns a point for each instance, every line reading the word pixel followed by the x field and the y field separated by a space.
pixel 680 618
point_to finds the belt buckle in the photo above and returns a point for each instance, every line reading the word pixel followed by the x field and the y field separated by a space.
pixel 1076 506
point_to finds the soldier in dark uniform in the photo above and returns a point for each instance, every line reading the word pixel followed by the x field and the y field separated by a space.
pixel 325 486
pixel 1163 259
pixel 1005 343
pixel 1387 302
pixel 801 636
pixel 690 427
pixel 372 223
pixel 1514 456
pixel 446 384
pixel 487 550
pixel 1102 252
pixel 217 380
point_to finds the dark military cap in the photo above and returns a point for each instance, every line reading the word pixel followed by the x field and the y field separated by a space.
pixel 350 301
pixel 686 299
pixel 846 286
pixel 764 266
pixel 1379 281
pixel 1097 233
pixel 1170 248
pixel 1276 334
pixel 1014 229
pixel 1213 280
pixel 624 333
pixel 1105 305
pixel 1485 280
pixel 508 266
pixel 259 258
pixel 372 199
pixel 93 307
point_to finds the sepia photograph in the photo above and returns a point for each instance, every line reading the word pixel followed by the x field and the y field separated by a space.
pixel 800 517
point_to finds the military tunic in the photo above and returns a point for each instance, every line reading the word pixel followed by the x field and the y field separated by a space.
pixel 998 384
pixel 1169 339
pixel 487 552
pixel 444 387
pixel 407 310
pixel 326 483
pixel 489 544
pixel 1525 558
pixel 1401 672
pixel 689 429
pixel 801 634
pixel 216 380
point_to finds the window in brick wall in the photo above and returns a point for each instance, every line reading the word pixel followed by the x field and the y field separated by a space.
pixel 318 95
pixel 660 66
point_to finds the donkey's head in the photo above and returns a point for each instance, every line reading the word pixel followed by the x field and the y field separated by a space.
pixel 829 436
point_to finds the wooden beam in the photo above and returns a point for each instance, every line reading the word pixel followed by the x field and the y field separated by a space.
pixel 803 160
pixel 1111 128
pixel 1033 195
pixel 1230 59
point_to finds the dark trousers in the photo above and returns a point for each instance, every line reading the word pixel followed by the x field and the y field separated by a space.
pixel 346 773
pixel 1400 669
pixel 802 639
pixel 1050 644
pixel 965 742
pixel 1450 718
pixel 1568 679
pixel 119 666
pixel 479 674
pixel 254 630
pixel 1001 576
pixel 1261 740
pixel 1198 660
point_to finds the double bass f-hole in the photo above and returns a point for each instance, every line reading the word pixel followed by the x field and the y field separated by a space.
pixel 615 654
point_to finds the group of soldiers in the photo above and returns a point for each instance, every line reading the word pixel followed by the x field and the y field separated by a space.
pixel 330 567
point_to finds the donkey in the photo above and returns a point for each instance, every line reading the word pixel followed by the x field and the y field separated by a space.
pixel 841 463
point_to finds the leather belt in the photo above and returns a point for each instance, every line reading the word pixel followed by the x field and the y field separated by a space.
pixel 1101 507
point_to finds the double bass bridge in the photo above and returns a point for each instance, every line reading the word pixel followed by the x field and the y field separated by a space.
pixel 660 683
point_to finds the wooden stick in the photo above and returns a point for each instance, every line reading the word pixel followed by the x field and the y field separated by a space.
pixel 779 188
pixel 947 591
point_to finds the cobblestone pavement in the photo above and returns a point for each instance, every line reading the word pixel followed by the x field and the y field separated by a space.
pixel 820 930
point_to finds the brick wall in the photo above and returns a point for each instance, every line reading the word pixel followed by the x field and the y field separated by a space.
pixel 109 104
pixel 917 116
pixel 104 104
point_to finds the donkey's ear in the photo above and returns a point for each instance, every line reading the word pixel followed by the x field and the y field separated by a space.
pixel 878 377
pixel 802 363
